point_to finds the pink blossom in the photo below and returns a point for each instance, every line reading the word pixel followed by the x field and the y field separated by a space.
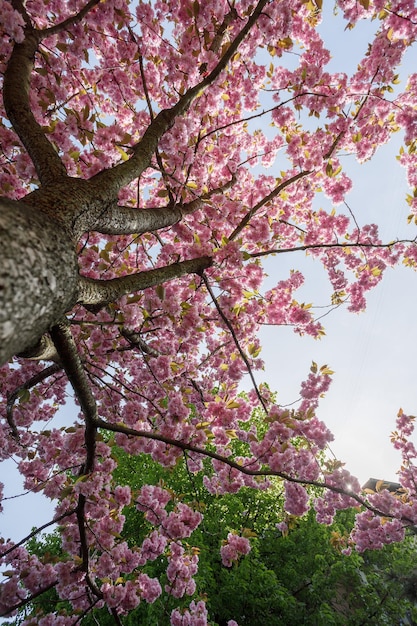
pixel 150 588
pixel 152 547
pixel 181 522
pixel 196 615
pixel 181 569
pixel 11 21
pixel 296 499
pixel 153 500
pixel 122 495
pixel 234 547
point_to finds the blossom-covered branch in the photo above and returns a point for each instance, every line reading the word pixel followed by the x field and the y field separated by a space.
pixel 123 173
pixel 336 245
pixel 247 470
pixel 28 384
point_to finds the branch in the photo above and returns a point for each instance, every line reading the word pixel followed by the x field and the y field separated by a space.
pixel 116 617
pixel 80 616
pixel 120 220
pixel 242 120
pixel 151 113
pixel 135 341
pixel 35 532
pixel 16 88
pixel 101 292
pixel 19 6
pixel 28 599
pixel 244 469
pixel 122 174
pixel 67 350
pixel 319 246
pixel 43 350
pixel 275 192
pixel 71 362
pixel 219 36
pixel 235 339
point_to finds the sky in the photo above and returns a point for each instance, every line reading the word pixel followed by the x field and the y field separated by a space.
pixel 372 353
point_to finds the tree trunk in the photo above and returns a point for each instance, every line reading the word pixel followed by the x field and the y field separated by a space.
pixel 38 276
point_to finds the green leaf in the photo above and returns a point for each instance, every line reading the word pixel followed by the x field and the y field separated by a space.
pixel 23 395
pixel 123 154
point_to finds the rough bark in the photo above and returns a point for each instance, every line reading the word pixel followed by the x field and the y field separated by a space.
pixel 120 220
pixel 74 202
pixel 38 276
pixel 101 292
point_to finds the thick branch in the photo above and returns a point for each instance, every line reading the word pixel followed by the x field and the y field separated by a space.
pixel 16 88
pixel 101 292
pixel 44 350
pixel 67 350
pixel 125 172
pixel 219 36
pixel 120 220
pixel 19 5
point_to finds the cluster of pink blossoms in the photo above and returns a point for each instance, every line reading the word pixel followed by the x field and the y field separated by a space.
pixel 234 547
pixel 182 566
pixel 296 499
pixel 196 615
pixel 11 21
pixel 176 524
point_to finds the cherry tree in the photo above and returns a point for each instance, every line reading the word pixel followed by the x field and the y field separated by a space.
pixel 152 154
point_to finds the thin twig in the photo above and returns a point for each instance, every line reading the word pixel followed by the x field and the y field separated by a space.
pixel 235 339
pixel 319 246
pixel 36 531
